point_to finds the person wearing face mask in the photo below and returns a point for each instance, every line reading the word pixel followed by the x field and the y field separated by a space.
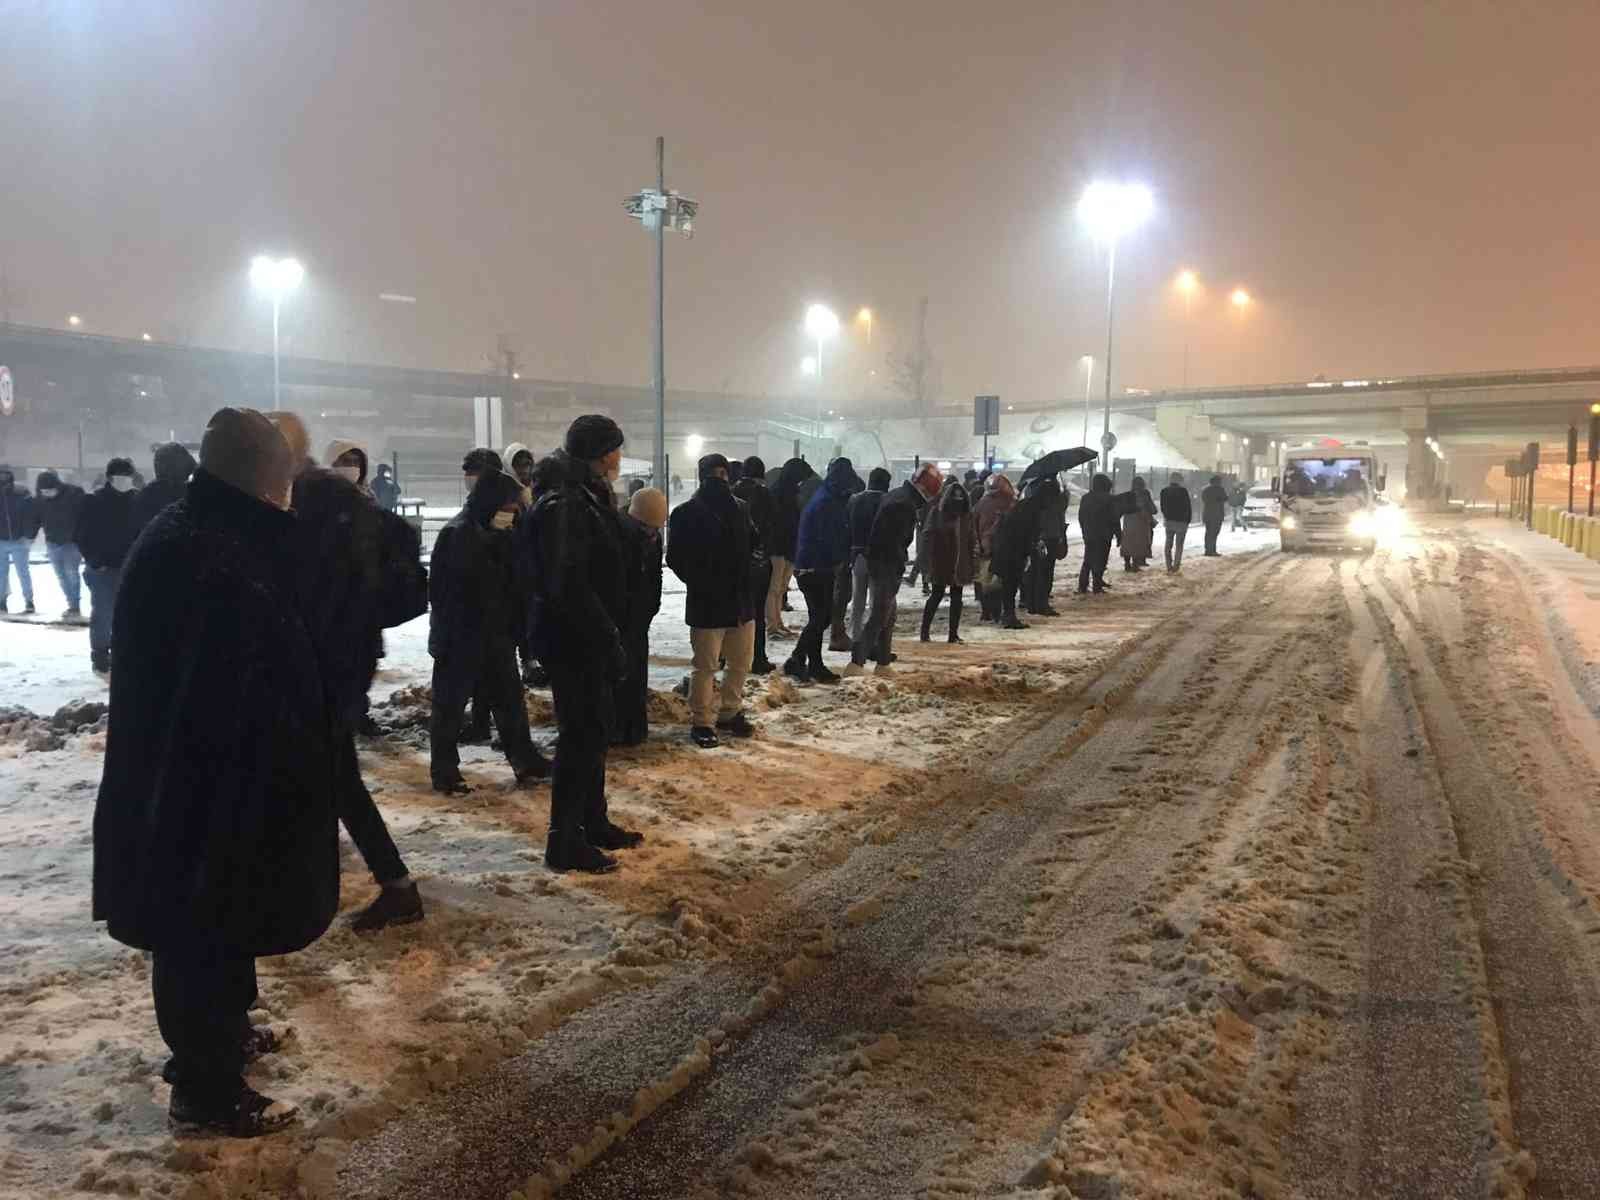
pixel 216 826
pixel 106 528
pixel 173 465
pixel 570 548
pixel 60 505
pixel 472 630
pixel 19 525
pixel 478 460
pixel 347 459
pixel 385 490
pixel 519 461
pixel 641 548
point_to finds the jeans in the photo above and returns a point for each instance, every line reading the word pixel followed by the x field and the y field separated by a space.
pixel 15 554
pixel 859 587
pixel 735 646
pixel 1096 553
pixel 66 559
pixel 877 635
pixel 362 820
pixel 817 588
pixel 1175 536
pixel 1238 520
pixel 931 609
pixel 495 679
pixel 203 1011
pixel 103 583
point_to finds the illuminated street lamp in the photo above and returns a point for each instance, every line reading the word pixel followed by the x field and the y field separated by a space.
pixel 277 277
pixel 822 323
pixel 1110 211
pixel 1187 284
pixel 694 443
pixel 1240 299
pixel 74 320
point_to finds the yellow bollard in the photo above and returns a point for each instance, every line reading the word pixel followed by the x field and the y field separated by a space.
pixel 1564 529
pixel 1541 518
pixel 1593 548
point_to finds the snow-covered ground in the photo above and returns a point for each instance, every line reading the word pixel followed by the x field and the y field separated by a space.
pixel 508 949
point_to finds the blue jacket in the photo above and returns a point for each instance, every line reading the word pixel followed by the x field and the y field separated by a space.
pixel 824 540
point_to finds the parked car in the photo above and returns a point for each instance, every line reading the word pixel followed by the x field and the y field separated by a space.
pixel 1261 508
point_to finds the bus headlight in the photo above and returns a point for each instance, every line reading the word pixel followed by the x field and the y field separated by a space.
pixel 1287 521
pixel 1362 525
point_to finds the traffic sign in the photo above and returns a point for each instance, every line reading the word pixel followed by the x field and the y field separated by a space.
pixel 986 416
pixel 8 396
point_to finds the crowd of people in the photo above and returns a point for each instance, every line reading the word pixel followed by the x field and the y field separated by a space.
pixel 242 601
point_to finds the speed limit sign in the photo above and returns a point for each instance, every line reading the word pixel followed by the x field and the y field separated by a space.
pixel 8 398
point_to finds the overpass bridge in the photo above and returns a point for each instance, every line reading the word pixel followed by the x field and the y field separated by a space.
pixel 1479 418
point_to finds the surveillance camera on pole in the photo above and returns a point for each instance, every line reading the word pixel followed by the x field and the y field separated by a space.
pixel 659 210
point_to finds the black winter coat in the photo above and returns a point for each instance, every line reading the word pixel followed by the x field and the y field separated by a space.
pixel 787 506
pixel 173 465
pixel 472 591
pixel 59 515
pixel 569 550
pixel 894 525
pixel 861 511
pixel 641 549
pixel 107 525
pixel 337 582
pixel 1100 517
pixel 216 828
pixel 1213 501
pixel 709 541
pixel 19 518
pixel 763 509
pixel 1176 506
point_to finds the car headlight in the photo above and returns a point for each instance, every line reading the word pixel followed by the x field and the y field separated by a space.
pixel 1287 521
pixel 1362 525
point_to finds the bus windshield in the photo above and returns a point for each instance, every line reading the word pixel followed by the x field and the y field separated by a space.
pixel 1324 477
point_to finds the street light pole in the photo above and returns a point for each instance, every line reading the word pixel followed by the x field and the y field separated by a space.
pixel 658 465
pixel 1088 389
pixel 1111 312
pixel 277 401
pixel 1110 210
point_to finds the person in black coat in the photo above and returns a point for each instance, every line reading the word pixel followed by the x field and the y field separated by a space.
pixel 1177 512
pixel 752 489
pixel 107 526
pixel 1049 545
pixel 59 506
pixel 1213 504
pixel 1037 518
pixel 19 525
pixel 710 544
pixel 385 490
pixel 215 831
pixel 1101 522
pixel 786 506
pixel 173 465
pixel 861 511
pixel 569 547
pixel 893 526
pixel 339 572
pixel 472 632
pixel 843 576
pixel 641 548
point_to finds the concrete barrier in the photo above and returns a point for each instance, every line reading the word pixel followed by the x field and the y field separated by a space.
pixel 1564 528
pixel 1541 518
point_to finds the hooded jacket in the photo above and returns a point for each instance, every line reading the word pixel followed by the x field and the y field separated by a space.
pixel 752 489
pixel 338 448
pixel 1099 513
pixel 58 514
pixel 709 546
pixel 999 498
pixel 107 526
pixel 19 519
pixel 173 465
pixel 385 490
pixel 216 829
pixel 509 457
pixel 569 552
pixel 894 525
pixel 823 542
pixel 951 538
pixel 471 587
pixel 1213 500
pixel 786 507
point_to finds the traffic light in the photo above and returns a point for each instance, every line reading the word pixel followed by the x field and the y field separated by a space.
pixel 1594 436
pixel 1572 445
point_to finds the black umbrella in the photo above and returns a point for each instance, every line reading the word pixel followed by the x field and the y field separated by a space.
pixel 1057 461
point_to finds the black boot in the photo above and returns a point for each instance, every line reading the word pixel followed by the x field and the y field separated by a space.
pixel 606 836
pixel 246 1114
pixel 569 850
pixel 394 906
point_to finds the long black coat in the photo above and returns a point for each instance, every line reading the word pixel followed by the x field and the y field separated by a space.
pixel 216 828
pixel 173 465
pixel 894 525
pixel 58 515
pixel 641 548
pixel 1100 517
pixel 569 551
pixel 709 543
